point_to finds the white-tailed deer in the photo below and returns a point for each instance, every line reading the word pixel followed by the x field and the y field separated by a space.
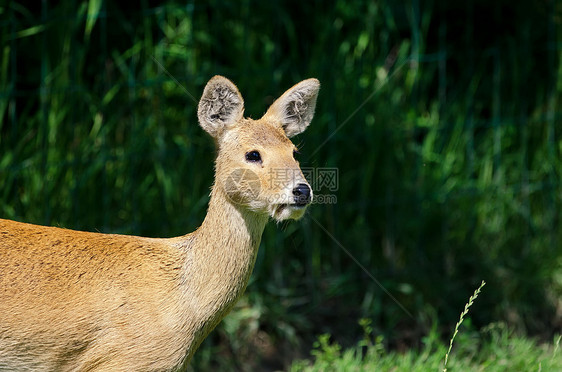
pixel 82 301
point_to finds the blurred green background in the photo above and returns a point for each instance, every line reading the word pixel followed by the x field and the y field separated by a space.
pixel 442 118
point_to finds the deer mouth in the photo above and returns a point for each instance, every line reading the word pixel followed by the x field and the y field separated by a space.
pixel 288 211
pixel 281 207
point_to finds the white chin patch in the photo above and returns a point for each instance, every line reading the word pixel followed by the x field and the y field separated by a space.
pixel 283 212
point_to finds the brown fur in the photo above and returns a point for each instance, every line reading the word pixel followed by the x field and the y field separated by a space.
pixel 81 301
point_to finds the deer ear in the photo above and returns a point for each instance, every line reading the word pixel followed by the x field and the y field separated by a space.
pixel 295 108
pixel 220 107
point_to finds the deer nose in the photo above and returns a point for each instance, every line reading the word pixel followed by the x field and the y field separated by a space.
pixel 302 194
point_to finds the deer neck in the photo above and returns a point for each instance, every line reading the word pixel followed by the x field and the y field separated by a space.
pixel 223 255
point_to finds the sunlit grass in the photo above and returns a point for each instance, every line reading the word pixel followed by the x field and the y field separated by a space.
pixel 493 349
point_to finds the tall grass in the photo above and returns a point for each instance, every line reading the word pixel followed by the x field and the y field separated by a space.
pixel 444 134
pixel 461 319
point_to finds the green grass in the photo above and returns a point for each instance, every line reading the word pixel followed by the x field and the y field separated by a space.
pixel 493 349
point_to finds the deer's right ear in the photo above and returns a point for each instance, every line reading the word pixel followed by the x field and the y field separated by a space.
pixel 220 107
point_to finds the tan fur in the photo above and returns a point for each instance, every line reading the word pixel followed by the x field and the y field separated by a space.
pixel 81 301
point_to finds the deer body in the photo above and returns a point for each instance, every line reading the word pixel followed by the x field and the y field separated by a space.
pixel 81 301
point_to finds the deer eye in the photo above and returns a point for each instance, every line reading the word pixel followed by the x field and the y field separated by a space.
pixel 253 156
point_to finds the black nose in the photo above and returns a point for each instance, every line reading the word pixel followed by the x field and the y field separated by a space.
pixel 302 194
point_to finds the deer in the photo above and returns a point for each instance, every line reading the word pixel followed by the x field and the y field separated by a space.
pixel 89 301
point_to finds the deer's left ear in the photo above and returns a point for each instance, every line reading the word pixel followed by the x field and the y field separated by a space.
pixel 295 108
